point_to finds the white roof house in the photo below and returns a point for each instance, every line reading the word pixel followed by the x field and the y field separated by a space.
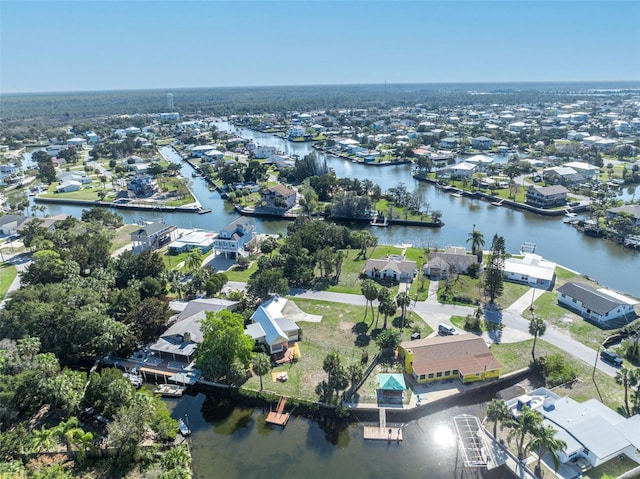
pixel 270 326
pixel 586 169
pixel 590 429
pixel 533 270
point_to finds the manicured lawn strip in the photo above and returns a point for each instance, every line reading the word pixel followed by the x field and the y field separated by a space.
pixel 122 237
pixel 338 331
pixel 512 292
pixel 547 308
pixel 381 252
pixel 472 288
pixel 565 274
pixel 458 322
pixel 172 261
pixel 514 356
pixel 9 272
pixel 235 273
pixel 420 286
pixel 612 468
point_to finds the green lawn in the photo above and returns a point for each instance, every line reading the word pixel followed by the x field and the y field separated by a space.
pixel 237 274
pixel 9 273
pixel 122 237
pixel 343 330
pixel 463 285
pixel 516 356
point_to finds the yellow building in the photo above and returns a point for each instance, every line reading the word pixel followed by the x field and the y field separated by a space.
pixel 466 357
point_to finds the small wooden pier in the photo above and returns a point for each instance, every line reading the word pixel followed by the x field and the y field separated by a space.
pixel 279 417
pixel 382 432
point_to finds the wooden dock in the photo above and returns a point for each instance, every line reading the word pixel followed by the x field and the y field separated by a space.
pixel 382 432
pixel 278 417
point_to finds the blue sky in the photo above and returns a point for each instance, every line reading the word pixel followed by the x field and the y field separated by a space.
pixel 113 45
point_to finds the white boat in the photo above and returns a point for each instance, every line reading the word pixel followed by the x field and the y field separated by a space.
pixel 184 429
pixel 170 390
pixel 135 379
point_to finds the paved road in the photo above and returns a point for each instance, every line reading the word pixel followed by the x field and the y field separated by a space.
pixel 20 261
pixel 516 327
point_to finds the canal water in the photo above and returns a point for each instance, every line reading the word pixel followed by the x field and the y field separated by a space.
pixel 234 442
pixel 610 264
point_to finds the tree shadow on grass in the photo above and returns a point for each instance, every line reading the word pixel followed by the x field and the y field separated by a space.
pixel 362 338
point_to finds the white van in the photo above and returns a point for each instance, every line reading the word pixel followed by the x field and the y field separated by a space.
pixel 446 330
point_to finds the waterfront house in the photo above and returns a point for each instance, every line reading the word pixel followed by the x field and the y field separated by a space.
pixel 632 211
pixel 482 161
pixel 48 223
pixel 532 270
pixel 562 175
pixel 279 196
pixel 597 305
pixel 67 186
pixel 481 143
pixel 76 142
pixel 74 176
pixel 9 224
pixel 7 171
pixel 270 326
pixel 196 239
pixel 546 196
pixel 461 170
pixel 143 186
pixel 465 357
pixel 454 260
pixel 153 236
pixel 586 169
pixel 394 267
pixel 200 150
pixel 590 429
pixel 449 143
pixel 235 238
pixel 180 340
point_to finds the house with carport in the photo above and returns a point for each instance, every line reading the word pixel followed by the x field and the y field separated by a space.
pixel 465 357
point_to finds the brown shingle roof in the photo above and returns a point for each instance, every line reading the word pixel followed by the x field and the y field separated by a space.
pixel 467 353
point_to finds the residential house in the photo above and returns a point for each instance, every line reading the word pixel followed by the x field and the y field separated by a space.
pixel 532 270
pixel 394 267
pixel 68 186
pixel 235 238
pixel 74 176
pixel 270 326
pixel 9 224
pixel 481 143
pixel 586 169
pixel 48 223
pixel 482 161
pixel 461 170
pixel 153 236
pixel 279 196
pixel 589 429
pixel 597 305
pixel 212 156
pixel 546 196
pixel 143 186
pixel 465 357
pixel 76 142
pixel 563 175
pixel 448 143
pixel 180 340
pixel 200 150
pixel 197 239
pixel 632 210
pixel 7 171
pixel 454 260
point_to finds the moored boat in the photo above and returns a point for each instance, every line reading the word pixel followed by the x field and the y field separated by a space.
pixel 184 429
pixel 170 390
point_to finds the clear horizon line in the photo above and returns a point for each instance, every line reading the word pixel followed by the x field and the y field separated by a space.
pixel 383 83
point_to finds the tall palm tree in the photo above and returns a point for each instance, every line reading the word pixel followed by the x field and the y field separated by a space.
pixel 477 242
pixel 627 378
pixel 194 260
pixel 527 422
pixel 544 441
pixel 497 410
pixel 261 365
pixel 384 298
pixel 403 300
pixel 537 327
pixel 370 291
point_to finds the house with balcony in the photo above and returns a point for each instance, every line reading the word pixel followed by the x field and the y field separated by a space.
pixel 235 238
pixel 463 357
pixel 153 236
pixel 481 143
pixel 546 196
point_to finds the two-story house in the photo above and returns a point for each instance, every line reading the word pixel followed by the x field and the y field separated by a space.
pixel 234 238
pixel 546 196
pixel 279 196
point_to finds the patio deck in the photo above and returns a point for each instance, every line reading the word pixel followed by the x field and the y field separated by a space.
pixel 278 417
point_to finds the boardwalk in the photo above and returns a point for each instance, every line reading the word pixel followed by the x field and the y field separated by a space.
pixel 278 417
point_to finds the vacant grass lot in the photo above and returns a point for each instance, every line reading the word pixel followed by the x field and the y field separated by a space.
pixel 122 237
pixel 516 356
pixel 342 329
pixel 8 273
pixel 472 288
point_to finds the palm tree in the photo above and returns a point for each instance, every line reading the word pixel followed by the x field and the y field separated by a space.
pixel 497 410
pixel 370 291
pixel 537 327
pixel 41 439
pixel 384 298
pixel 261 365
pixel 544 441
pixel 524 424
pixel 194 260
pixel 403 300
pixel 627 378
pixel 388 308
pixel 477 242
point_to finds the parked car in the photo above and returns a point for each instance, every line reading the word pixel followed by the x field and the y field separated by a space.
pixel 446 330
pixel 611 357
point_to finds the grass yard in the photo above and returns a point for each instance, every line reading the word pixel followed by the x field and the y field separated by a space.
pixel 235 273
pixel 122 237
pixel 9 273
pixel 465 286
pixel 516 356
pixel 343 330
